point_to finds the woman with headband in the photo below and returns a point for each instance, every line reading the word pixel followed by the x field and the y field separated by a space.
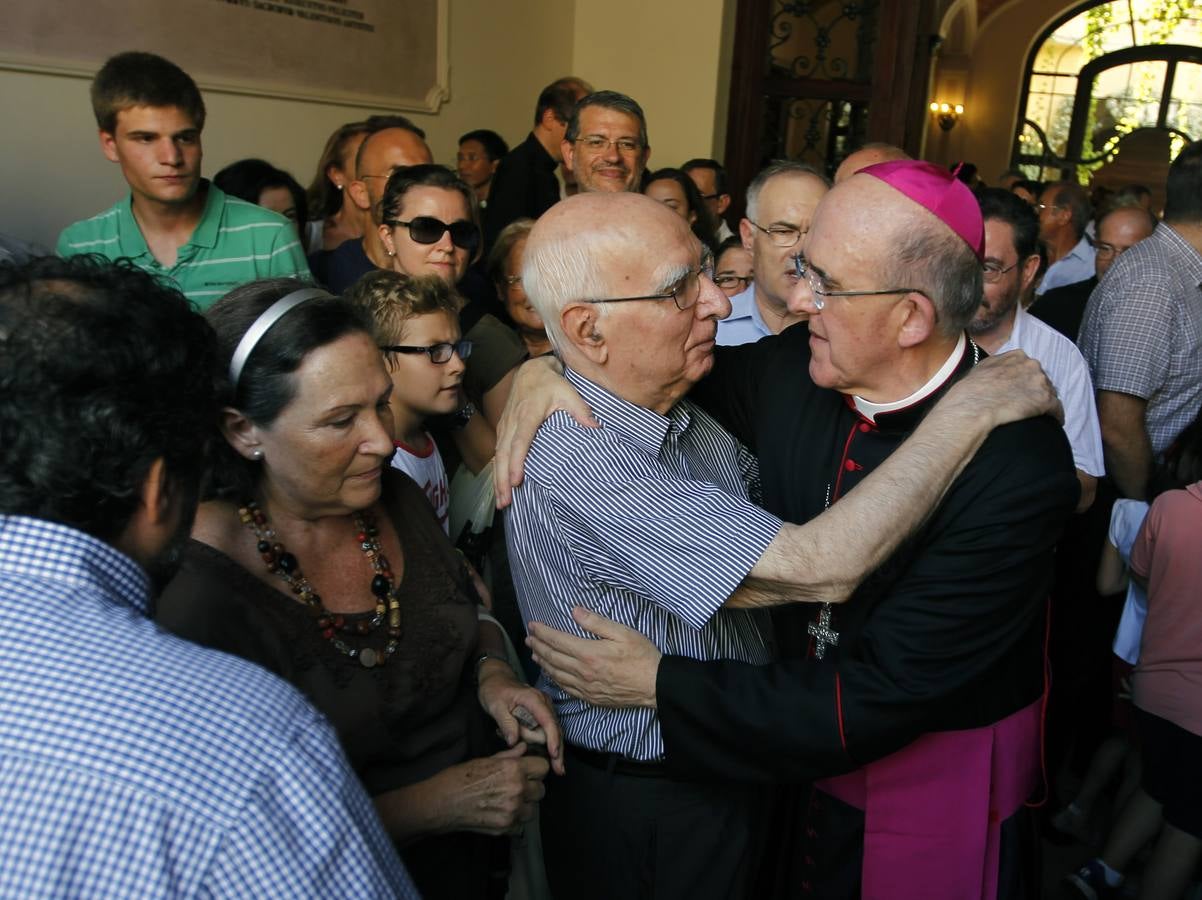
pixel 313 558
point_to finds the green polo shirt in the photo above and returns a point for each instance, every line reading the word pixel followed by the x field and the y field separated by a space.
pixel 234 242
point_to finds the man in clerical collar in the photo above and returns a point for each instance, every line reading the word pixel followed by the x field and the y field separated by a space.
pixel 914 706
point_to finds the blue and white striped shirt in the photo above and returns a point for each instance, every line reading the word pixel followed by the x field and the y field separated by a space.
pixel 647 521
pixel 135 764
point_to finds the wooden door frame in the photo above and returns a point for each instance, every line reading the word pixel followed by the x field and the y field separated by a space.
pixel 900 72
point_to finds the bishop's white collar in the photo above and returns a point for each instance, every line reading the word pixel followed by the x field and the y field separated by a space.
pixel 870 410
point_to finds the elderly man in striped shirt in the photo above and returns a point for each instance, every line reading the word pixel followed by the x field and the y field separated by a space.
pixel 647 516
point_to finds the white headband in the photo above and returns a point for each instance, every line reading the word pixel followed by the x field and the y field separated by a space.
pixel 260 326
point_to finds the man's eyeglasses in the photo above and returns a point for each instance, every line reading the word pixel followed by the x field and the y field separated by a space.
pixel 780 235
pixel 729 279
pixel 598 144
pixel 438 353
pixel 685 292
pixel 1106 251
pixel 821 291
pixel 992 272
pixel 429 230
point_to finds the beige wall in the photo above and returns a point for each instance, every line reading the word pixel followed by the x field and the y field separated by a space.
pixel 988 74
pixel 675 61
pixel 502 54
pixel 665 55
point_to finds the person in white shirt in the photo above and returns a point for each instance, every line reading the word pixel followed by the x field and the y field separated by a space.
pixel 416 323
pixel 1001 324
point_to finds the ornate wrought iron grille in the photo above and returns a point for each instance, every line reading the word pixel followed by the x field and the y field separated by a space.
pixel 823 40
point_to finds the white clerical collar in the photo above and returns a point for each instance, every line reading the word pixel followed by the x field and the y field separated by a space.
pixel 870 410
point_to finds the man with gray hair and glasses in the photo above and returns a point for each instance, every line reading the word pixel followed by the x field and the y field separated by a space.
pixel 606 145
pixel 648 517
pixel 781 200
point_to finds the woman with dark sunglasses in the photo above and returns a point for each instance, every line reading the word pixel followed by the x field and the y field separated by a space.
pixel 430 226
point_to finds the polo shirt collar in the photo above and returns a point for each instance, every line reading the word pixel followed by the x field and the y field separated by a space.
pixel 635 424
pixel 133 242
pixel 209 226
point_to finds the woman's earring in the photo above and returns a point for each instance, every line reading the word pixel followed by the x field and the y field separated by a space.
pixel 256 454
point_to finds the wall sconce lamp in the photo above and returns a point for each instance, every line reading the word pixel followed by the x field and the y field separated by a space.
pixel 946 114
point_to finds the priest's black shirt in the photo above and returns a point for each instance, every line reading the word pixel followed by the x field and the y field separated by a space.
pixel 947 634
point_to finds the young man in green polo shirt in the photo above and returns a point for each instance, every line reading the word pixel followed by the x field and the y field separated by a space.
pixel 174 223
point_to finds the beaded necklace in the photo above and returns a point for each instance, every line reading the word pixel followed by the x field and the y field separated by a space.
pixel 332 625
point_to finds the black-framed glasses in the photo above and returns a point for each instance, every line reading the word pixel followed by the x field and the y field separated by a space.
pixel 597 143
pixel 993 273
pixel 429 230
pixel 820 290
pixel 780 235
pixel 438 353
pixel 729 279
pixel 686 292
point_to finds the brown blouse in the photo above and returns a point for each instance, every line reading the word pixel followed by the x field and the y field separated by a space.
pixel 399 723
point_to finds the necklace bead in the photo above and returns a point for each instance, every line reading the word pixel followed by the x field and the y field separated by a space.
pixel 329 625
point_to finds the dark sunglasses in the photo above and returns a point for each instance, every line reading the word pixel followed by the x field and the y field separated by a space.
pixel 429 230
pixel 438 353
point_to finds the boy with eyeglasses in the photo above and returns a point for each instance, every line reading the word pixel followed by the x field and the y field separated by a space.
pixel 416 324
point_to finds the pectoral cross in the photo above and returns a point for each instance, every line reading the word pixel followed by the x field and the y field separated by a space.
pixel 822 632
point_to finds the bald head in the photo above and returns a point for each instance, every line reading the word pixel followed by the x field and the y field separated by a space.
pixel 380 153
pixel 868 155
pixel 1119 230
pixel 575 247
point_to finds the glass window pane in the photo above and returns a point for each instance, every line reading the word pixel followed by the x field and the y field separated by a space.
pixel 1185 104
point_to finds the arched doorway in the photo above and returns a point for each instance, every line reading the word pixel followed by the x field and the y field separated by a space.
pixel 1105 72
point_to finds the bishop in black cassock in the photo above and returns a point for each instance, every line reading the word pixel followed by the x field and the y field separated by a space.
pixel 915 705
pixel 948 635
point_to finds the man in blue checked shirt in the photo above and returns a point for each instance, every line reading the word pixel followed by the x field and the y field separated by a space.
pixel 647 519
pixel 132 763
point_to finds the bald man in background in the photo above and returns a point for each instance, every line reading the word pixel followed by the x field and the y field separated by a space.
pixel 868 155
pixel 395 142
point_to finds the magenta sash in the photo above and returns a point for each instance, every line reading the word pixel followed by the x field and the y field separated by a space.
pixel 933 810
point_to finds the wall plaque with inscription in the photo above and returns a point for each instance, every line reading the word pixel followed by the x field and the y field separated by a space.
pixel 383 54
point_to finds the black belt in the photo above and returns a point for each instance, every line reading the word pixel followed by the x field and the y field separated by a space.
pixel 616 763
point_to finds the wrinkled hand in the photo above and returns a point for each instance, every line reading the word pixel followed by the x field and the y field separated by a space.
pixel 539 389
pixel 616 671
pixel 493 794
pixel 1009 387
pixel 521 712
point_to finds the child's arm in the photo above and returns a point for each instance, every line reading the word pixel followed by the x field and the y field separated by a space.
pixel 476 442
pixel 1112 571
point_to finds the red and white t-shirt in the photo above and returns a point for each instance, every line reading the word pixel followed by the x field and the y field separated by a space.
pixel 425 467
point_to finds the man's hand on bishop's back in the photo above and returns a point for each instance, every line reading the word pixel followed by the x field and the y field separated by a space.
pixel 617 670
